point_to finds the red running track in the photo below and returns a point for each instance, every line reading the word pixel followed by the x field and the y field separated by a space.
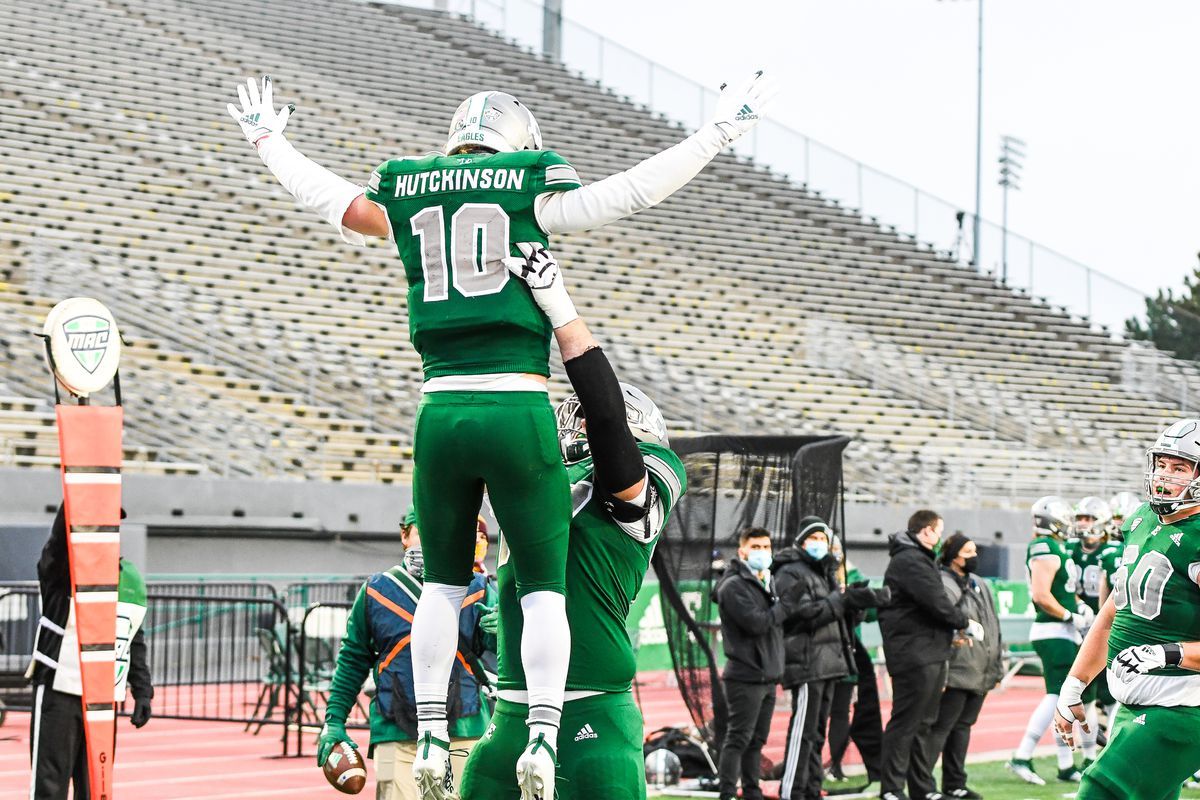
pixel 180 760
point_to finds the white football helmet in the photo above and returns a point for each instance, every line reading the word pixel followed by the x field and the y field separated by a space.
pixel 494 121
pixel 1052 517
pixel 1091 520
pixel 1168 494
pixel 1121 506
pixel 645 422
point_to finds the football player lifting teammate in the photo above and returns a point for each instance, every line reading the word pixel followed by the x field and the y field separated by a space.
pixel 485 418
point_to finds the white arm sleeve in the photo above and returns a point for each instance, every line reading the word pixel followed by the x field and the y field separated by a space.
pixel 637 188
pixel 314 186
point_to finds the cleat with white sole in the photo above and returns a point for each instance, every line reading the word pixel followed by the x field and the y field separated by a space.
pixel 431 769
pixel 1024 771
pixel 535 770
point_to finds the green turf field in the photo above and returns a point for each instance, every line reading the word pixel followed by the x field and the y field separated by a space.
pixel 995 782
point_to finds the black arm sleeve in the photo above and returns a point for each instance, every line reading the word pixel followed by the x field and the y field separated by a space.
pixel 615 453
pixel 140 684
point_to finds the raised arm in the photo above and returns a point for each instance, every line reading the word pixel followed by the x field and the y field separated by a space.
pixel 658 177
pixel 338 201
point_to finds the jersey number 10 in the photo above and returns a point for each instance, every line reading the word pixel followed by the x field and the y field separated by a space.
pixel 478 245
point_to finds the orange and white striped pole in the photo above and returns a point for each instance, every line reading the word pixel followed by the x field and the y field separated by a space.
pixel 83 351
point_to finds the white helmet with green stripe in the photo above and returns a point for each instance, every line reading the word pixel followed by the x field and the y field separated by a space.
pixel 1172 482
pixel 494 121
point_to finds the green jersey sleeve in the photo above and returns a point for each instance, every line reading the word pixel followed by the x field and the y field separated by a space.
pixel 666 470
pixel 554 174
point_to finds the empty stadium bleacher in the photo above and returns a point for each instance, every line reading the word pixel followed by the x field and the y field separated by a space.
pixel 262 345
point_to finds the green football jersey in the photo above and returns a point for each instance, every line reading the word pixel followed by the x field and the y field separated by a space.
pixel 1066 579
pixel 1154 588
pixel 605 568
pixel 454 218
pixel 1091 571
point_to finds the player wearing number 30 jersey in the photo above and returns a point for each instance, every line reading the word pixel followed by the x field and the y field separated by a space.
pixel 1148 635
pixel 485 419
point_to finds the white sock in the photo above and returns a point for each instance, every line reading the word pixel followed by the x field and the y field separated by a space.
pixel 1066 757
pixel 545 656
pixel 1088 739
pixel 434 642
pixel 1111 713
pixel 1039 721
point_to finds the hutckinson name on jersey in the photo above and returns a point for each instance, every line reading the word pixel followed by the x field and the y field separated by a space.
pixel 459 180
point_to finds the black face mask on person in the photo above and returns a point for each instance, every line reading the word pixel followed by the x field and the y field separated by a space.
pixel 971 564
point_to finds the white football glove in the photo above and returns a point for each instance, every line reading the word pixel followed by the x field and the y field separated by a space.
pixel 1138 661
pixel 740 109
pixel 1083 617
pixel 540 271
pixel 1069 710
pixel 257 116
pixel 974 630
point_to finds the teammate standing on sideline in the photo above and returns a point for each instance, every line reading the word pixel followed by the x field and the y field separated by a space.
pixel 624 483
pixel 1060 616
pixel 485 417
pixel 1090 552
pixel 1148 633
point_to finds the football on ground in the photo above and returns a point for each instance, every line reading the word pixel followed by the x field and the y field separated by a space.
pixel 345 770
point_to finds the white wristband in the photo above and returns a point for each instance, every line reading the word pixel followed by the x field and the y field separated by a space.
pixel 556 304
pixel 1071 693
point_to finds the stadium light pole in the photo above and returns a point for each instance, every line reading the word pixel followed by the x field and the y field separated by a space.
pixel 978 142
pixel 1012 153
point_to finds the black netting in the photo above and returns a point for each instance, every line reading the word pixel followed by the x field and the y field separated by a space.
pixel 733 482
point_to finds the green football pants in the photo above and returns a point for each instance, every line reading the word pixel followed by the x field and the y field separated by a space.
pixel 1151 751
pixel 599 752
pixel 508 443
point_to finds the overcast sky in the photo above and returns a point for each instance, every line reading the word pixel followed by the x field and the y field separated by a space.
pixel 1105 93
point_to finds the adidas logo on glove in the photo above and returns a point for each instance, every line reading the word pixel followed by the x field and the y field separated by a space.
pixel 586 732
pixel 745 113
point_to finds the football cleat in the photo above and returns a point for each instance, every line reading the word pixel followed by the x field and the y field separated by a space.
pixel 431 769
pixel 1024 770
pixel 1069 775
pixel 535 770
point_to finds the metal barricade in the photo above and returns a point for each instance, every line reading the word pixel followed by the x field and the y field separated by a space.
pixel 19 613
pixel 319 632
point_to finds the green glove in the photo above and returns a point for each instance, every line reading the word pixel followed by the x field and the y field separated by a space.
pixel 331 734
pixel 490 619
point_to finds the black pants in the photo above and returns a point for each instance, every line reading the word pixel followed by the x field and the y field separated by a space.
pixel 802 773
pixel 750 708
pixel 951 735
pixel 57 748
pixel 866 731
pixel 916 695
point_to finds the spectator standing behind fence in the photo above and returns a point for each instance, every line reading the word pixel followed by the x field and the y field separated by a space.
pixel 376 642
pixel 752 618
pixel 58 750
pixel 866 730
pixel 817 648
pixel 975 665
pixel 918 627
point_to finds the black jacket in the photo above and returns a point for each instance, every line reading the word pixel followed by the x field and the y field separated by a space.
pixel 815 638
pixel 751 626
pixel 919 625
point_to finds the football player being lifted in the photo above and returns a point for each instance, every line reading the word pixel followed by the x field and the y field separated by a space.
pixel 1060 616
pixel 624 483
pixel 1148 636
pixel 485 417
pixel 1091 553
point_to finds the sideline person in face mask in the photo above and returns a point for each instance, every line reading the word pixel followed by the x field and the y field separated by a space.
pixel 752 619
pixel 817 648
pixel 975 664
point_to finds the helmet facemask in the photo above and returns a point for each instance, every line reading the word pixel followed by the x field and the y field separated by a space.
pixel 1171 492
